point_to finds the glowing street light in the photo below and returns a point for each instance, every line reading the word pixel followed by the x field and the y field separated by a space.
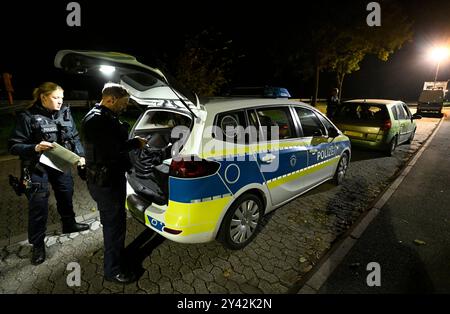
pixel 439 54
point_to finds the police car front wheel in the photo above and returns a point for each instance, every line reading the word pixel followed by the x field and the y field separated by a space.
pixel 341 169
pixel 240 223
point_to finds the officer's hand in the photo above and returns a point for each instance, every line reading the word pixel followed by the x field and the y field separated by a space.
pixel 81 162
pixel 81 172
pixel 43 146
pixel 142 141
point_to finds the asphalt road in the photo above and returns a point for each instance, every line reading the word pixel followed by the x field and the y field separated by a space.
pixel 410 238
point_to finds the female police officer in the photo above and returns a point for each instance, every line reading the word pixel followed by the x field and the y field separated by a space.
pixel 46 121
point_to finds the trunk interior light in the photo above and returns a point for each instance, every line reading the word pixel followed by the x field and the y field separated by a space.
pixel 107 69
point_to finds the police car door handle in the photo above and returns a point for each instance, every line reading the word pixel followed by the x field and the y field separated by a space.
pixel 268 158
pixel 313 151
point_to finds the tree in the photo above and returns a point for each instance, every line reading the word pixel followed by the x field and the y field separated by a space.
pixel 353 44
pixel 335 37
pixel 203 64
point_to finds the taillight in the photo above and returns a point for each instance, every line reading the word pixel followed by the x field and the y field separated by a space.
pixel 188 167
pixel 386 125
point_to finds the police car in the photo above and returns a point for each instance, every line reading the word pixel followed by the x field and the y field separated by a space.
pixel 213 168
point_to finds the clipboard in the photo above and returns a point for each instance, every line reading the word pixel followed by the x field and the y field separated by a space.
pixel 59 158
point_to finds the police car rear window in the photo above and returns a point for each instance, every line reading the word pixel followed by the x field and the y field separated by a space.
pixel 230 126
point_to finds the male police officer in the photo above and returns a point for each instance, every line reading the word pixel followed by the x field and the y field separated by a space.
pixel 107 146
pixel 333 103
pixel 47 121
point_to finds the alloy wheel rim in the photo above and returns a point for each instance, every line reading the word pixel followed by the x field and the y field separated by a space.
pixel 244 221
pixel 342 168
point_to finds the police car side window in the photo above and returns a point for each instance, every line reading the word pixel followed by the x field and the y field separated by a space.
pixel 326 123
pixel 311 125
pixel 276 119
pixel 230 127
pixel 254 129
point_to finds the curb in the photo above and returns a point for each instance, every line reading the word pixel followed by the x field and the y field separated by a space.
pixel 340 250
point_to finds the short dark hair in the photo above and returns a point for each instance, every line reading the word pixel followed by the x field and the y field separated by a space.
pixel 115 90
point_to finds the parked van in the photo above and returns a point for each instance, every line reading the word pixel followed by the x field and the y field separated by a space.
pixel 430 101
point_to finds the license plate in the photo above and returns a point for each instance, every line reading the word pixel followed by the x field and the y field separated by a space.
pixel 354 134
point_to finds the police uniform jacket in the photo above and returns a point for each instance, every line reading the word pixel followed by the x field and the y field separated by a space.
pixel 106 141
pixel 40 124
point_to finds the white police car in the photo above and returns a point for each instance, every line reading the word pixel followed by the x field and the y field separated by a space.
pixel 211 170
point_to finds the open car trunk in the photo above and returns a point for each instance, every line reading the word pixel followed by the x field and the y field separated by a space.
pixel 168 107
pixel 166 131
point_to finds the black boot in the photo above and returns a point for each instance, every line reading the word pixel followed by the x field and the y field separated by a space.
pixel 123 277
pixel 74 227
pixel 38 254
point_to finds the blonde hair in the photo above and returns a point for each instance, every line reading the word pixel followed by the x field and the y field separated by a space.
pixel 45 89
pixel 115 90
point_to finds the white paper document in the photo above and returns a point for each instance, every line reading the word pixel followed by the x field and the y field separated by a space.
pixel 59 158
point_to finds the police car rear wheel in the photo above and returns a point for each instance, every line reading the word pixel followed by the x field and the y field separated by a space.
pixel 341 170
pixel 241 222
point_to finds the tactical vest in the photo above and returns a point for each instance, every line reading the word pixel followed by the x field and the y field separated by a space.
pixel 58 130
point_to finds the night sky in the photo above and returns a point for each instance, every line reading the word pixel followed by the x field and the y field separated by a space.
pixel 33 32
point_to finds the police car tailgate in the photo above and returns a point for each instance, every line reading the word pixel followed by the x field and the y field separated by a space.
pixel 144 82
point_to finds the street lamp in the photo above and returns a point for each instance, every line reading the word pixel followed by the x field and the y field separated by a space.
pixel 438 54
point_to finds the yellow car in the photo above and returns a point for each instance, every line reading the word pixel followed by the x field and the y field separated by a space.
pixel 376 123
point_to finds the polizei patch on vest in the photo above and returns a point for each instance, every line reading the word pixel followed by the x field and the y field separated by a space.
pixel 48 129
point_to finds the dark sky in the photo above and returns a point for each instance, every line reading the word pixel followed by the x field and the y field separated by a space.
pixel 33 32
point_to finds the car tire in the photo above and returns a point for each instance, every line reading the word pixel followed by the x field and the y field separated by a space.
pixel 341 169
pixel 241 222
pixel 391 147
pixel 411 137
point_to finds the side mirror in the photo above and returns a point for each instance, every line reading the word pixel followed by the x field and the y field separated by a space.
pixel 416 116
pixel 332 132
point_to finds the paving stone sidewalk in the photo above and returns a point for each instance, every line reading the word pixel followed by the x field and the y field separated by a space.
pixel 292 241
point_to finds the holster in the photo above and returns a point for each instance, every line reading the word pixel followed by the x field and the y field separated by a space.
pixel 23 185
pixel 100 176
